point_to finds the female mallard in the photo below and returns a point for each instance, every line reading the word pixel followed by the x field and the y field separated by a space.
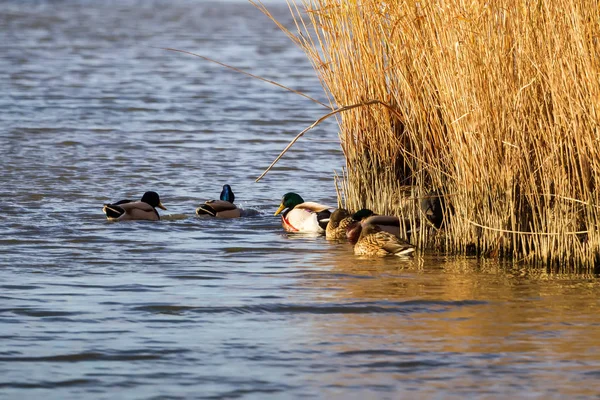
pixel 435 208
pixel 223 208
pixel 301 216
pixel 128 210
pixel 375 242
pixel 338 222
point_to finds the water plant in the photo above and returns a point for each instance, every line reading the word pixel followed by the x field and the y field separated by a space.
pixel 491 108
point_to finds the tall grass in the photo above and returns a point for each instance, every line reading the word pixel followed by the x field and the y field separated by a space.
pixel 494 105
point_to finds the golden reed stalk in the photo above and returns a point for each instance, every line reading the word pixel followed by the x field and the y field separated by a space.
pixel 494 105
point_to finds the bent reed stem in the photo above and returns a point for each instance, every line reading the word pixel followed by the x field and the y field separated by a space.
pixel 241 71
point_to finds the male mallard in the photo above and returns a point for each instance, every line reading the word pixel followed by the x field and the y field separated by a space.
pixel 338 222
pixel 128 210
pixel 223 208
pixel 375 242
pixel 301 216
pixel 386 223
pixel 354 227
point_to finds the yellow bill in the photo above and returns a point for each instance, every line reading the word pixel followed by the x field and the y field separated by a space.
pixel 280 209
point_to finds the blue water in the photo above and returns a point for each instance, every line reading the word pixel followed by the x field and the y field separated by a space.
pixel 93 111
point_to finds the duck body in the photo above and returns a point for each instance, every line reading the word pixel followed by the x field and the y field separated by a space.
pixel 222 208
pixel 386 223
pixel 128 210
pixel 302 217
pixel 375 242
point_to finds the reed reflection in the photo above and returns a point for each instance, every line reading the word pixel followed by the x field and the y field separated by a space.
pixel 445 307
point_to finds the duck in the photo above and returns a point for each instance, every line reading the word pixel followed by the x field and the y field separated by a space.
pixel 374 241
pixel 303 217
pixel 338 223
pixel 222 208
pixel 354 227
pixel 387 223
pixel 129 210
pixel 435 209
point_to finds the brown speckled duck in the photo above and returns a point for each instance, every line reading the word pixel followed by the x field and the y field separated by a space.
pixel 337 225
pixel 375 242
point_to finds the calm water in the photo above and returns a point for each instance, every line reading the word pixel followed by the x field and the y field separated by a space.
pixel 91 111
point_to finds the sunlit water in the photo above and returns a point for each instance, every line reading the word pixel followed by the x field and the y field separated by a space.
pixel 92 111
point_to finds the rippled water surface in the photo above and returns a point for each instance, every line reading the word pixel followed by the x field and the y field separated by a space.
pixel 92 111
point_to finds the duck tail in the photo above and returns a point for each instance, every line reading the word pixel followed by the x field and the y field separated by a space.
pixel 113 211
pixel 323 218
pixel 400 249
pixel 205 209
pixel 227 194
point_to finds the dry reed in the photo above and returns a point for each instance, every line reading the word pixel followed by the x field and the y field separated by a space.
pixel 493 105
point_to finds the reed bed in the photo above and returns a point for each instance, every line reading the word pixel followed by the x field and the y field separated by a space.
pixel 492 105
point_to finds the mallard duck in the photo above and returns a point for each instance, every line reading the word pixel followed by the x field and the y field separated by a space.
pixel 338 222
pixel 386 223
pixel 301 216
pixel 434 208
pixel 222 208
pixel 375 242
pixel 128 210
pixel 353 229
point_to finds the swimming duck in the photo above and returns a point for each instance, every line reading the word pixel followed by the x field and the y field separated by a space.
pixel 386 223
pixel 338 222
pixel 375 242
pixel 301 216
pixel 354 227
pixel 359 218
pixel 128 210
pixel 222 208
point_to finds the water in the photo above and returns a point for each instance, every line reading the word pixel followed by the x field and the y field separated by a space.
pixel 92 111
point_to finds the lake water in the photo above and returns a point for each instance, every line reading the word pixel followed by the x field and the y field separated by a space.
pixel 92 111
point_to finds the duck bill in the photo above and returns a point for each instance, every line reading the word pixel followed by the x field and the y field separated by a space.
pixel 280 209
pixel 161 206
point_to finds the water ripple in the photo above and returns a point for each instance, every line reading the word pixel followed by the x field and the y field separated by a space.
pixel 330 308
pixel 193 307
pixel 132 355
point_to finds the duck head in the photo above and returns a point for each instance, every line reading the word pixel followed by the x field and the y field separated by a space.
pixel 289 201
pixel 354 229
pixel 153 199
pixel 362 214
pixel 337 216
pixel 227 194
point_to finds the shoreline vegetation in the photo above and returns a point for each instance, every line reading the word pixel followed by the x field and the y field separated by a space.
pixel 491 107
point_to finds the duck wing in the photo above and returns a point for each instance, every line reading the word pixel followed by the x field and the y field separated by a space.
pixel 393 244
pixel 312 206
pixel 387 223
pixel 382 220
pixel 138 210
